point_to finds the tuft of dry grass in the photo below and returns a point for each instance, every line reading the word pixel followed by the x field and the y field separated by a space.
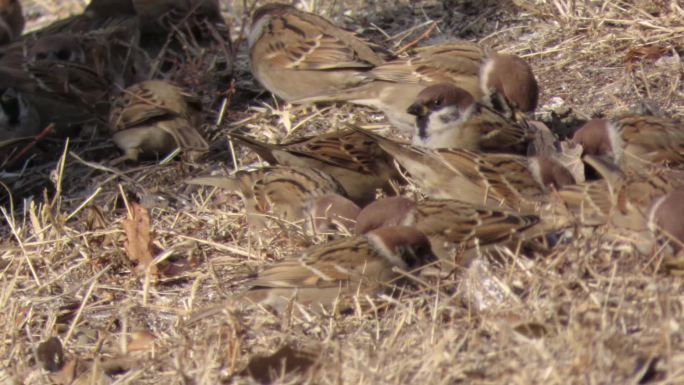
pixel 588 312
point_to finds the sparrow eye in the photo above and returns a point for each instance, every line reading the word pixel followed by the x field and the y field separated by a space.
pixel 437 102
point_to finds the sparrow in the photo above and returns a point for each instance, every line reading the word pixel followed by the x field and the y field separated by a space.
pixel 363 264
pixel 392 87
pixel 11 20
pixel 69 78
pixel 492 180
pixel 153 118
pixel 453 227
pixel 356 162
pixel 296 54
pixel 293 194
pixel 634 141
pixel 18 118
pixel 447 116
pixel 622 199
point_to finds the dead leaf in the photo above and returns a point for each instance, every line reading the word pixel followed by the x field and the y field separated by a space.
pixel 647 52
pixel 267 369
pixel 50 354
pixel 141 340
pixel 138 245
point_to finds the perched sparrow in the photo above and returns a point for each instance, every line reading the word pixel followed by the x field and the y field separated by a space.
pixel 11 20
pixel 358 163
pixel 18 118
pixel 295 54
pixel 449 117
pixel 451 226
pixel 493 180
pixel 395 85
pixel 350 266
pixel 153 118
pixel 288 193
pixel 634 140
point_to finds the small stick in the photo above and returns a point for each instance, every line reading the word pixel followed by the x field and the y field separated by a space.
pixel 417 40
pixel 47 130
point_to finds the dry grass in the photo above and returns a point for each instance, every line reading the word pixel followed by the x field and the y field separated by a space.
pixel 588 312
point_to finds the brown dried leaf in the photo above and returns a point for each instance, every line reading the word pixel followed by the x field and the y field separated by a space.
pixel 138 245
pixel 141 340
pixel 648 52
pixel 50 354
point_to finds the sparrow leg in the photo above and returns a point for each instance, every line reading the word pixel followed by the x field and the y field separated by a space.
pixel 130 154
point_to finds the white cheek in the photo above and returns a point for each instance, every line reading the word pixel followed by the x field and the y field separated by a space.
pixel 442 126
pixel 257 30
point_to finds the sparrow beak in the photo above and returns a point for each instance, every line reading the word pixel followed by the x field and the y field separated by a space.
pixel 418 109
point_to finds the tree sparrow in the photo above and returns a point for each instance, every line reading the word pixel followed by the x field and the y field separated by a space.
pixel 363 264
pixel 392 87
pixel 295 54
pixel 153 118
pixel 492 180
pixel 634 141
pixel 447 116
pixel 451 226
pixel 358 163
pixel 288 193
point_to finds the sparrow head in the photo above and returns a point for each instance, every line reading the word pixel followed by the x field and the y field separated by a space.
pixel 595 137
pixel 392 211
pixel 12 16
pixel 513 77
pixel 403 246
pixel 62 47
pixel 439 107
pixel 666 215
pixel 262 17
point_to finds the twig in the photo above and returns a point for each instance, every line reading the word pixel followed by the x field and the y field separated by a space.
pixel 417 40
pixel 47 130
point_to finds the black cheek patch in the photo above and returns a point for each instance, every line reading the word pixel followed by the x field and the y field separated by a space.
pixel 421 123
